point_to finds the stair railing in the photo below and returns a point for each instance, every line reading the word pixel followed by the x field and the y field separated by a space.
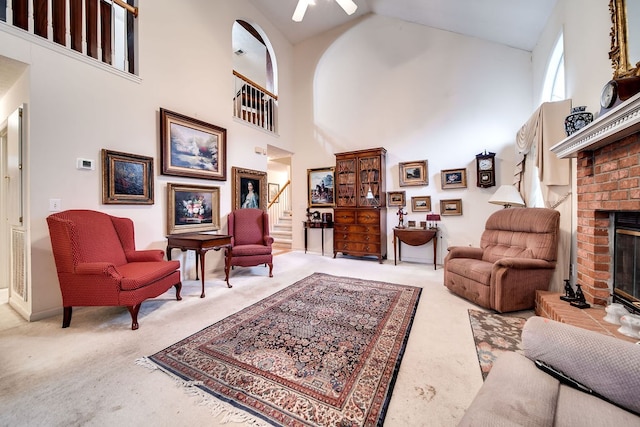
pixel 280 204
pixel 254 104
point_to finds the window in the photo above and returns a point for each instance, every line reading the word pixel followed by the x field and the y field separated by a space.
pixel 553 89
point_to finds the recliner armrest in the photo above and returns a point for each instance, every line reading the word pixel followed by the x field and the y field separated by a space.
pixel 98 268
pixel 268 240
pixel 525 263
pixel 147 255
pixel 465 252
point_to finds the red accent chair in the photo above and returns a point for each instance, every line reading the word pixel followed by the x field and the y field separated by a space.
pixel 250 239
pixel 98 264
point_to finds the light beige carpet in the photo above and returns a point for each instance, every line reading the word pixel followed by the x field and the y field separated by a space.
pixel 87 375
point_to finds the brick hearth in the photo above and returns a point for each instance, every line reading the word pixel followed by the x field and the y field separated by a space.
pixel 549 305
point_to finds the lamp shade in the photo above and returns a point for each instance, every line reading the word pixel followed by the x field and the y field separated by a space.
pixel 433 217
pixel 507 196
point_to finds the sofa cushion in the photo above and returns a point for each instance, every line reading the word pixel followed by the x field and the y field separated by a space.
pixel 611 367
pixel 589 411
pixel 136 275
pixel 515 393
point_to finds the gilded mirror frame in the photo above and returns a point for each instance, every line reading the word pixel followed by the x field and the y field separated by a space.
pixel 619 53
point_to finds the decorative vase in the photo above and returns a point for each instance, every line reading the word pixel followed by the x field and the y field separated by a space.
pixel 630 325
pixel 578 119
pixel 614 312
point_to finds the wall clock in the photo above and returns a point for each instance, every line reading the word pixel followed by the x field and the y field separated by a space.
pixel 486 169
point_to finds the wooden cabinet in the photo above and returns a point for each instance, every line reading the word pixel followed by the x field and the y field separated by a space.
pixel 360 220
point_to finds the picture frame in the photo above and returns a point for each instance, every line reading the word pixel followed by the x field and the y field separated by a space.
pixel 421 203
pixel 413 173
pixel 249 189
pixel 396 198
pixel 192 208
pixel 274 189
pixel 320 187
pixel 453 178
pixel 127 179
pixel 451 207
pixel 411 224
pixel 191 147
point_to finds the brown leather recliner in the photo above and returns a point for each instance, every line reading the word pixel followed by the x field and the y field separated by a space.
pixel 517 256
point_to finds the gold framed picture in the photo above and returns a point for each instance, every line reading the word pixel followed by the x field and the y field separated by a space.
pixel 192 208
pixel 249 189
pixel 396 198
pixel 127 179
pixel 451 207
pixel 413 173
pixel 454 178
pixel 421 203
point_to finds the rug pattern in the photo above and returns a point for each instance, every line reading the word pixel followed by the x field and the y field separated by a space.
pixel 323 351
pixel 493 335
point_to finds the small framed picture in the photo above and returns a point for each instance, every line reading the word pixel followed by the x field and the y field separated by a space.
pixel 412 224
pixel 249 189
pixel 192 208
pixel 454 178
pixel 127 179
pixel 421 203
pixel 274 189
pixel 413 173
pixel 396 198
pixel 320 187
pixel 192 148
pixel 451 207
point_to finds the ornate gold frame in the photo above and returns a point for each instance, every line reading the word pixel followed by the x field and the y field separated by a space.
pixel 619 53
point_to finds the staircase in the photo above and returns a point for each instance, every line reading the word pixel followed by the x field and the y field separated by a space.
pixel 282 230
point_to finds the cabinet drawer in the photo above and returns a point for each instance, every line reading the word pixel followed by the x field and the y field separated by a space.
pixel 368 217
pixel 344 217
pixel 357 247
pixel 351 228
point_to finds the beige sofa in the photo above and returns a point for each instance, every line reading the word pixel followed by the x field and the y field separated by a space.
pixel 516 257
pixel 518 393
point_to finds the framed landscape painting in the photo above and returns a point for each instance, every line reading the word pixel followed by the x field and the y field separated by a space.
pixel 413 173
pixel 451 207
pixel 320 187
pixel 192 208
pixel 191 147
pixel 421 203
pixel 127 179
pixel 396 198
pixel 454 178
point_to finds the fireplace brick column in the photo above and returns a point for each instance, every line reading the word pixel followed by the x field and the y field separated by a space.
pixel 608 181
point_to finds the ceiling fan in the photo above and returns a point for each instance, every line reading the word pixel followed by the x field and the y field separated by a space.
pixel 347 5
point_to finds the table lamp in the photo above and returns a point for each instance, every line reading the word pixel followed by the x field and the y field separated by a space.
pixel 507 196
pixel 432 220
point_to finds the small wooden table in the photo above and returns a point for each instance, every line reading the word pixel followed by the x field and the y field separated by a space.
pixel 414 237
pixel 315 224
pixel 202 243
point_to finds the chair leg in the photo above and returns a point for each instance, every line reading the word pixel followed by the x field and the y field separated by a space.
pixel 133 310
pixel 270 269
pixel 178 287
pixel 66 317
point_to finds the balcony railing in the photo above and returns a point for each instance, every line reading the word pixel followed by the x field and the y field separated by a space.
pixel 254 104
pixel 101 29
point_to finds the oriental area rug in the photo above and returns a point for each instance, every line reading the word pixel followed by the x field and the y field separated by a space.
pixel 323 351
pixel 493 335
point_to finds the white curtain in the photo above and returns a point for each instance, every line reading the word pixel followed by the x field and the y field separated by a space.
pixel 543 179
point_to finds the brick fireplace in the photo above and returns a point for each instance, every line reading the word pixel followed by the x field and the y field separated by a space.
pixel 608 181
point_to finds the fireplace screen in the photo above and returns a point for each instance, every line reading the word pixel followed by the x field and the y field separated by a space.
pixel 627 267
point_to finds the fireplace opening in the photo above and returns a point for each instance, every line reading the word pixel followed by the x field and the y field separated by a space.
pixel 626 255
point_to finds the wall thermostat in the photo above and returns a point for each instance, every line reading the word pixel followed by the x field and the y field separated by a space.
pixel 85 164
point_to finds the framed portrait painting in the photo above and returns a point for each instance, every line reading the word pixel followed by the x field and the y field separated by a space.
pixel 249 189
pixel 454 178
pixel 192 208
pixel 191 147
pixel 127 179
pixel 320 187
pixel 413 173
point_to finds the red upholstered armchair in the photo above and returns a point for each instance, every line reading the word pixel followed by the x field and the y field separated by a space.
pixel 250 239
pixel 98 264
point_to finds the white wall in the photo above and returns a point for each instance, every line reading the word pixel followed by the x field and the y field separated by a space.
pixel 421 93
pixel 75 110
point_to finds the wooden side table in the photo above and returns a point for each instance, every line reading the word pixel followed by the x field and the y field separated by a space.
pixel 414 237
pixel 202 243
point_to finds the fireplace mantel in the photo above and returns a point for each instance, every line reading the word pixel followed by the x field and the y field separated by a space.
pixel 622 121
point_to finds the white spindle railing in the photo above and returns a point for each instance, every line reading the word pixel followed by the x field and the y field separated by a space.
pixel 254 104
pixel 118 33
pixel 277 210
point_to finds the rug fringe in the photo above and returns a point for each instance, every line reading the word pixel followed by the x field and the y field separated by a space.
pixel 218 408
